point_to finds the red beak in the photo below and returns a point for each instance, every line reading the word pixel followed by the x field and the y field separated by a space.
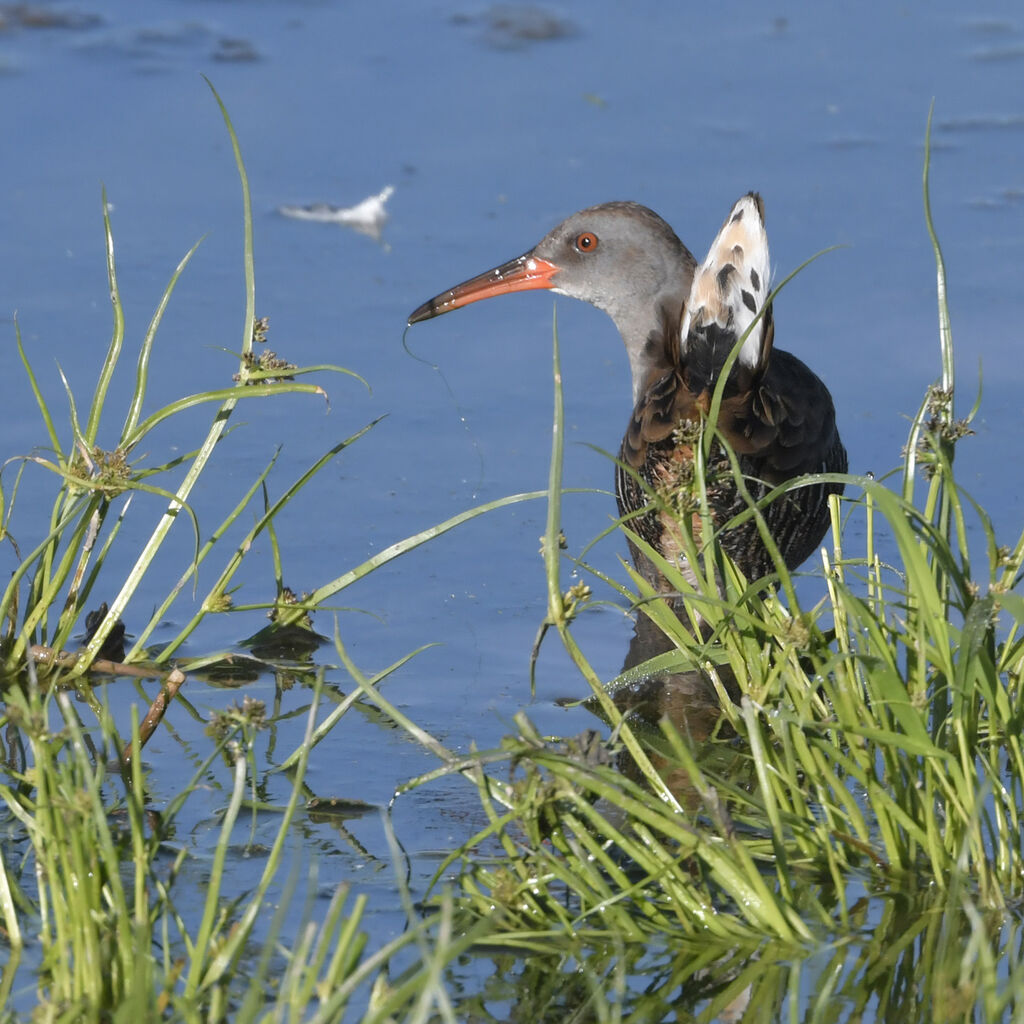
pixel 522 274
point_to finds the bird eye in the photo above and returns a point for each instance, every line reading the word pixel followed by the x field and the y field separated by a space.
pixel 587 242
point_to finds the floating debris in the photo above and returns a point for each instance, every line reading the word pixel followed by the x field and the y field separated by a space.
pixel 367 217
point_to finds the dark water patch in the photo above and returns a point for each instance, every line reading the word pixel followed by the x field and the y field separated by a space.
pixel 940 146
pixel 990 26
pixel 36 16
pixel 848 142
pixel 230 50
pixel 163 45
pixel 1007 197
pixel 982 123
pixel 998 54
pixel 515 27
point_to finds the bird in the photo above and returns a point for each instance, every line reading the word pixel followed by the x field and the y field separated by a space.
pixel 680 322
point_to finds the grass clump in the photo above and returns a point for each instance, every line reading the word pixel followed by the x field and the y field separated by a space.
pixel 52 587
pixel 117 936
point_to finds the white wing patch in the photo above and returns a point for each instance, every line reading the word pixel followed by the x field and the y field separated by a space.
pixel 731 285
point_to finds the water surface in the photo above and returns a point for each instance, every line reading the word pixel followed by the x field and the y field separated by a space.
pixel 493 123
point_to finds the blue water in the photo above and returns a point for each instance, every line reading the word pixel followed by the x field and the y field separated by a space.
pixel 490 136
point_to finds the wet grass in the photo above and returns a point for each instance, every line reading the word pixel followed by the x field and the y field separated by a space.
pixel 801 812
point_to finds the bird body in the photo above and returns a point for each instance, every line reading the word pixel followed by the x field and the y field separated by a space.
pixel 680 323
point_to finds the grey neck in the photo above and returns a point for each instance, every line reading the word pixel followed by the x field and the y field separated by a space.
pixel 651 337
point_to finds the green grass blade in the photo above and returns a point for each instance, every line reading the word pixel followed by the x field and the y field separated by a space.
pixel 40 401
pixel 248 244
pixel 551 547
pixel 142 369
pixel 116 339
pixel 945 326
pixel 228 396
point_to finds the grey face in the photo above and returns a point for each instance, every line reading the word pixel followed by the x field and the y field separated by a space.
pixel 621 257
